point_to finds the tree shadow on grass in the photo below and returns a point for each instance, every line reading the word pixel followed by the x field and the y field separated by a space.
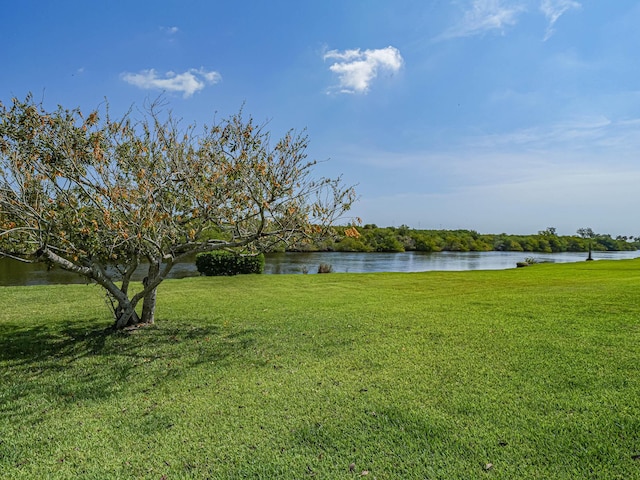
pixel 82 362
pixel 29 346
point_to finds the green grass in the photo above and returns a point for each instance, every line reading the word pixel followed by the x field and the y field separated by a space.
pixel 429 375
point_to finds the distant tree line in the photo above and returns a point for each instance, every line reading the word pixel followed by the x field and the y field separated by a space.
pixel 371 238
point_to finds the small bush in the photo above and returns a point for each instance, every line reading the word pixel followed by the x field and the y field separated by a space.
pixel 325 268
pixel 222 263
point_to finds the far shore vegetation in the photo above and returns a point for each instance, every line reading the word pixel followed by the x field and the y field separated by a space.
pixel 371 238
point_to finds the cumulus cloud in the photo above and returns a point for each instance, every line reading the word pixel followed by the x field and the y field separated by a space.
pixel 485 16
pixel 554 9
pixel 187 83
pixel 357 69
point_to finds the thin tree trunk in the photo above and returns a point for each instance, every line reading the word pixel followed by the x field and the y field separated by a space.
pixel 149 301
pixel 125 313
pixel 149 307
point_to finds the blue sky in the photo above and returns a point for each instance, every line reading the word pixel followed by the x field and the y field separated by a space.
pixel 493 115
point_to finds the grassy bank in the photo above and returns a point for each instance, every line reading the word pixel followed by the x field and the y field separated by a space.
pixel 527 373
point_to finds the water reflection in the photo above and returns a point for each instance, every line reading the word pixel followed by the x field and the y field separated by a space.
pixel 16 273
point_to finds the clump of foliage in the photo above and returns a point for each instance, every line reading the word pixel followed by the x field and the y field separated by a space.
pixel 222 263
pixel 101 196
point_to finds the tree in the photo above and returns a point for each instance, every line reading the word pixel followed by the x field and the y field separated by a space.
pixel 100 197
pixel 587 234
pixel 549 232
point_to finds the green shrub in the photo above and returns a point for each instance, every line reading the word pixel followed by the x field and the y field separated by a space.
pixel 222 263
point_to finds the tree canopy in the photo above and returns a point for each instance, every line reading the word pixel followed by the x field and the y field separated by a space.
pixel 101 196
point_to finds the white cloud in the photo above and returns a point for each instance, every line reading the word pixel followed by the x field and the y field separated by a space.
pixel 187 83
pixel 554 9
pixel 485 16
pixel 579 137
pixel 356 69
pixel 169 30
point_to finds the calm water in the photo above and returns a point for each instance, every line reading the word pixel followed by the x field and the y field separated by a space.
pixel 421 262
pixel 16 273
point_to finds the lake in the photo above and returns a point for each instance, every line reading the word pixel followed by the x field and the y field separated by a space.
pixel 16 273
pixel 420 261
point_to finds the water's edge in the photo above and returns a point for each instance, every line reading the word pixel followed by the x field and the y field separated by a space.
pixel 13 273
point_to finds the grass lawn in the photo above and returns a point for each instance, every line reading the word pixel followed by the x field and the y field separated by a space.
pixel 517 374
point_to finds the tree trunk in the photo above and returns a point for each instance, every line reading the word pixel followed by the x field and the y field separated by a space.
pixel 125 312
pixel 149 301
pixel 149 307
pixel 126 316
